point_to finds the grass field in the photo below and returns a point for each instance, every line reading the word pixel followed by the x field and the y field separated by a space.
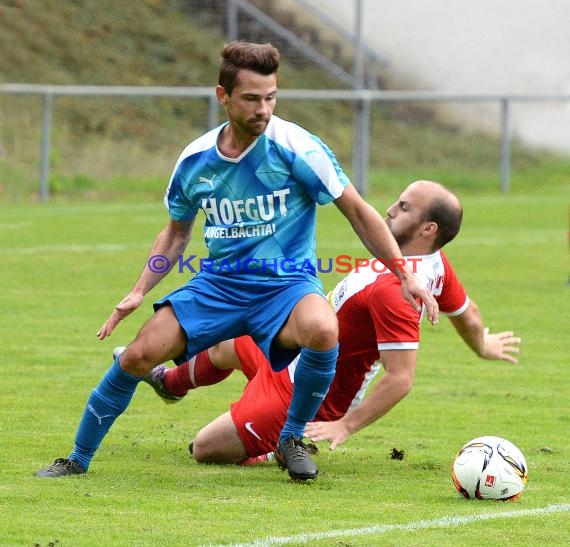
pixel 63 268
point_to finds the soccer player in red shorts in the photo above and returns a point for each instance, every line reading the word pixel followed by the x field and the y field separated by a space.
pixel 376 326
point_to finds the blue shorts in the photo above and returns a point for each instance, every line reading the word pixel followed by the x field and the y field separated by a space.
pixel 211 308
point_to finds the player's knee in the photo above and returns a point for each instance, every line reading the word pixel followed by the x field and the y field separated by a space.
pixel 205 451
pixel 407 382
pixel 409 385
pixel 218 442
pixel 135 360
pixel 197 451
pixel 223 356
pixel 323 335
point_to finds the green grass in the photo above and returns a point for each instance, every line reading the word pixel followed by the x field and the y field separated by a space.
pixel 65 266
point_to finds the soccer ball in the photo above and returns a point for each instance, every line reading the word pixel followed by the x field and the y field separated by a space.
pixel 490 468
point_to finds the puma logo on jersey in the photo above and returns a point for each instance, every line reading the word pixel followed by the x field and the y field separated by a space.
pixel 209 181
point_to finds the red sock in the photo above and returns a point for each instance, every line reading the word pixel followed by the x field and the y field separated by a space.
pixel 199 371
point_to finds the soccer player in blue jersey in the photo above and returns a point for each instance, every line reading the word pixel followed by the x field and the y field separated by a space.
pixel 257 179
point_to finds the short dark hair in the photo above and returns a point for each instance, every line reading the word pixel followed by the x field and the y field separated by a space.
pixel 261 58
pixel 448 216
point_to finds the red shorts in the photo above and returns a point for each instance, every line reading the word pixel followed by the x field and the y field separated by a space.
pixel 261 412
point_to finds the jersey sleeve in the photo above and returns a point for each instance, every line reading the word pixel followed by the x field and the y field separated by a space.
pixel 453 299
pixel 179 206
pixel 332 178
pixel 179 201
pixel 395 320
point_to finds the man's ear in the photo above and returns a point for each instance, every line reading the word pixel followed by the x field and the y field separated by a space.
pixel 430 229
pixel 221 95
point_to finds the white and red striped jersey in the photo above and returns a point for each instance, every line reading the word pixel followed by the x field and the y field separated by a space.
pixel 374 317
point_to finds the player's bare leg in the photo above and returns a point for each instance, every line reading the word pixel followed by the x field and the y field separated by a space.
pixel 160 339
pixel 219 442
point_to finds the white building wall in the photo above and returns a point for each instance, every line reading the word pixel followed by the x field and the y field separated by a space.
pixel 476 46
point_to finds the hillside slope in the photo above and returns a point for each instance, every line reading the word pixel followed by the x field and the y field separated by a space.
pixel 103 43
pixel 129 143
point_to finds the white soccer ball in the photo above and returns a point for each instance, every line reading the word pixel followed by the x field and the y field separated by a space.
pixel 490 468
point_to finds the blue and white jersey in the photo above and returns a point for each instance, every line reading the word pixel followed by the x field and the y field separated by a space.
pixel 260 208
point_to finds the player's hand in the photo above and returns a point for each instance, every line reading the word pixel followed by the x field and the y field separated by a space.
pixel 412 289
pixel 125 307
pixel 334 432
pixel 501 346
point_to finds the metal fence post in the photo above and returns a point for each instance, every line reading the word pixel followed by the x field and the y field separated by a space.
pixel 46 146
pixel 231 21
pixel 505 144
pixel 212 112
pixel 361 138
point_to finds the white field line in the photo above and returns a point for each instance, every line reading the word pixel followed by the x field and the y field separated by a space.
pixel 545 237
pixel 537 239
pixel 73 248
pixel 443 522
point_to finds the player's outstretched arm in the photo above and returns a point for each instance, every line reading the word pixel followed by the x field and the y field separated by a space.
pixel 167 247
pixel 503 346
pixel 377 238
pixel 390 389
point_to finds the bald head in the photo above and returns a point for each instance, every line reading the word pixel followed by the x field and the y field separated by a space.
pixel 441 206
pixel 425 217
